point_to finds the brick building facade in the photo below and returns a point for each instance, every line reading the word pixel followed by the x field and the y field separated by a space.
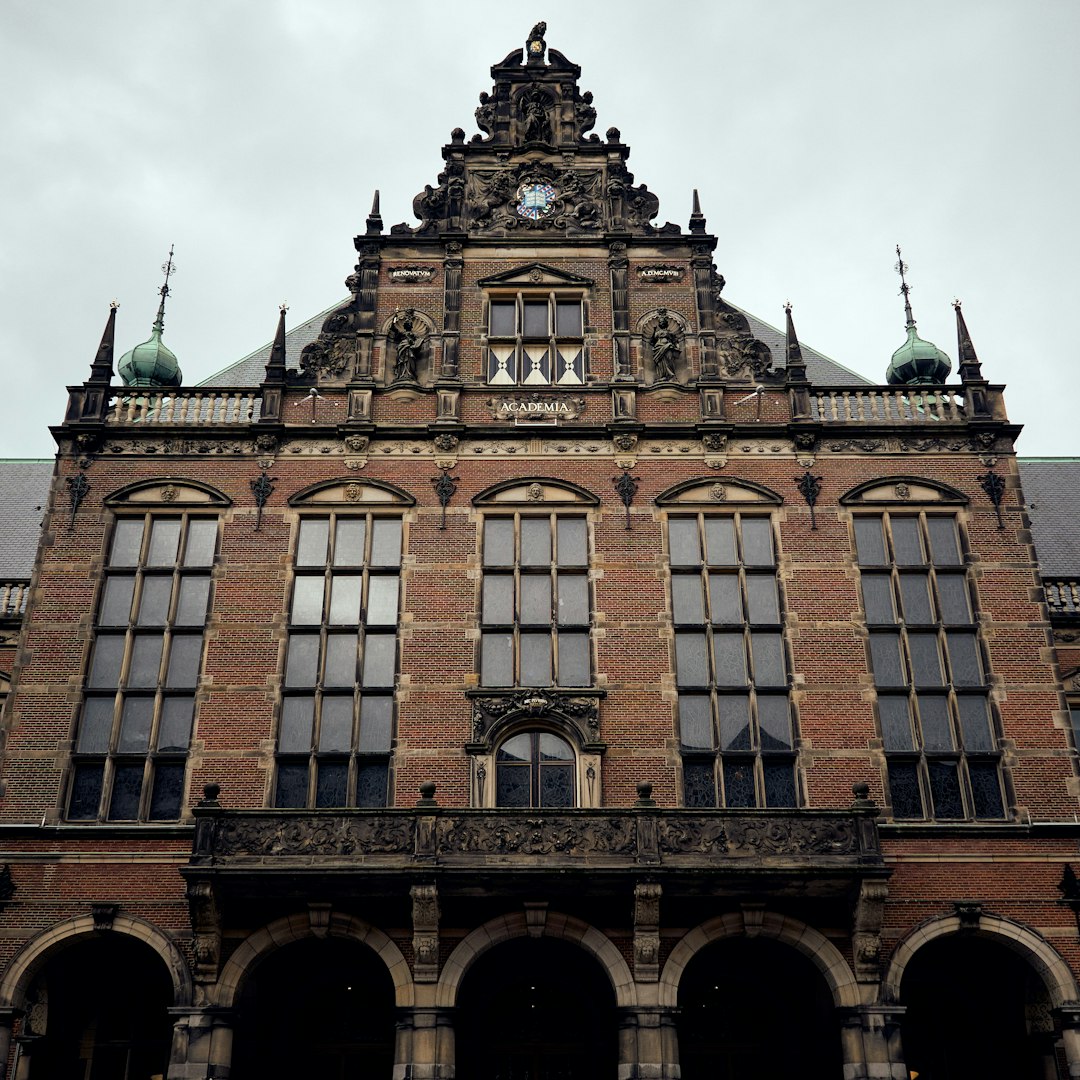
pixel 537 666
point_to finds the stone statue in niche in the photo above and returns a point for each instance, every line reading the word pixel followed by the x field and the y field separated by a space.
pixel 408 343
pixel 665 346
pixel 533 110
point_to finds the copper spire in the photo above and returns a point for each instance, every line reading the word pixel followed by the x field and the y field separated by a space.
pixel 905 288
pixel 101 370
pixel 168 270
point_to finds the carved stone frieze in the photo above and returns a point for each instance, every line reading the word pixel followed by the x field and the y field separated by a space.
pixel 866 935
pixel 206 925
pixel 576 448
pixel 336 835
pixel 647 931
pixel 756 837
pixel 866 446
pixel 425 917
pixel 547 835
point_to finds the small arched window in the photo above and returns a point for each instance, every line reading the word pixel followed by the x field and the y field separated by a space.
pixel 535 768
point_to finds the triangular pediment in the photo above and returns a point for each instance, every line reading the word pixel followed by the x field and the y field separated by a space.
pixel 535 275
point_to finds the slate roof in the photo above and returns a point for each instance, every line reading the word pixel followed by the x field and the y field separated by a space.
pixel 24 493
pixel 1052 492
pixel 251 370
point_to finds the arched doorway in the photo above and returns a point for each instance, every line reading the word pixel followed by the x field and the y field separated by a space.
pixel 975 1009
pixel 536 1009
pixel 756 1008
pixel 317 1007
pixel 98 1010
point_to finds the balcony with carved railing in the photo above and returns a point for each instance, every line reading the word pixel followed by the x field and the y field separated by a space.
pixel 1063 597
pixel 889 405
pixel 13 597
pixel 179 407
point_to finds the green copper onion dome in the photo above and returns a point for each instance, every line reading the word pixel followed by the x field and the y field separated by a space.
pixel 916 361
pixel 153 363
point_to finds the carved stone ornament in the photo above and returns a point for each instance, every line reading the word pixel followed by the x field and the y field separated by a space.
pixel 535 493
pixel 647 931
pixel 492 713
pixel 717 492
pixel 547 835
pixel 407 339
pixel 714 442
pixel 660 272
pixel 534 195
pixel 446 443
pixel 328 360
pixel 761 837
pixel 410 275
pixel 356 444
pixel 536 408
pixel 664 340
pixel 625 442
pixel 168 493
pixel 425 913
pixel 338 835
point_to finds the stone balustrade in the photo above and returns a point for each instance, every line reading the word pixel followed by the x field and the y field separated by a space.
pixel 1062 596
pixel 887 406
pixel 188 407
pixel 13 595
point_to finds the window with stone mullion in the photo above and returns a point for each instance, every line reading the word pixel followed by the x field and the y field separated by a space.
pixel 535 613
pixel 932 686
pixel 138 710
pixel 731 670
pixel 336 718
pixel 535 339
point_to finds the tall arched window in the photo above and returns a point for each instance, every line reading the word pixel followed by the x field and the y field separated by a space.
pixel 534 768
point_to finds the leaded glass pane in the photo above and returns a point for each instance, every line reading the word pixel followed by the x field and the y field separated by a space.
pixel 332 784
pixel 386 542
pixel 720 541
pixel 691 660
pixel 571 534
pixel 574 666
pixel 683 541
pixel 568 318
pixel 699 784
pixel 336 724
pixel 877 594
pixel 166 795
pixel 535 323
pixel 184 656
pixel 895 715
pixel 376 724
pixel 768 651
pixel 380 653
pixel 126 545
pixel 535 600
pixel 986 790
pixel 774 721
pixel 518 748
pixel 695 722
pixel 729 652
pixel 885 657
pixel 535 659
pixel 302 662
pixel 573 600
pixel 934 722
pixel 907 543
pixel 915 595
pixel 762 599
pixel 779 778
pixel 925 660
pixel 725 598
pixel 312 543
pixel 964 659
pixel 556 785
pixel 734 714
pixel 382 605
pixel 497 660
pixel 535 542
pixel 194 600
pixel 95 727
pixel 116 601
pixel 975 723
pixel 307 605
pixel 126 789
pixel 177 717
pixel 499 542
pixel 345 591
pixel 164 542
pixel 145 661
pixel 502 318
pixel 292 785
pixel 135 723
pixel 757 548
pixel 904 791
pixel 944 540
pixel 953 599
pixel 201 542
pixel 512 785
pixel 739 782
pixel 498 599
pixel 687 602
pixel 297 721
pixel 945 789
pixel 340 666
pixel 349 536
pixel 371 785
pixel 869 541
pixel 108 657
pixel 86 783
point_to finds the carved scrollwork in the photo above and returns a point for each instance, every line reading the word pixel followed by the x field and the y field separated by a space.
pixel 490 714
pixel 537 836
pixel 324 836
pixel 755 837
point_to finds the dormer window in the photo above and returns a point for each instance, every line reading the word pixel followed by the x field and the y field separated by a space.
pixel 535 339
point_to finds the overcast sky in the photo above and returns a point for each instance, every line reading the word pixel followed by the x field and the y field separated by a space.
pixel 820 133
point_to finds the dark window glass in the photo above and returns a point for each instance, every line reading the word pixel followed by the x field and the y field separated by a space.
pixel 695 722
pixel 535 323
pixel 691 663
pixel 699 784
pixel 945 789
pixel 556 785
pixel 895 723
pixel 336 727
pixel 774 720
pixel 953 599
pixel 502 318
pixel 86 782
pixel 944 541
pixel 934 722
pixel 907 543
pixel 177 716
pixel 126 789
pixel 201 542
pixel 975 723
pixel 964 659
pixel 193 602
pixel 108 658
pixel 135 723
pixel 292 785
pixel 878 598
pixel 568 318
pixel 904 790
pixel 116 601
pixel 869 541
pixel 725 598
pixel 376 724
pixel 739 782
pixel 297 724
pixel 885 657
pixel 925 660
pixel 779 779
pixel 184 660
pixel 512 785
pixel 734 722
pixel 986 789
pixel 95 729
pixel 145 661
pixel 166 795
pixel 757 542
pixel 915 595
pixel 332 787
pixel 768 651
pixel 372 784
pixel 164 542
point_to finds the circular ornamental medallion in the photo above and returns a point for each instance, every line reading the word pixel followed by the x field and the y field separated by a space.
pixel 535 199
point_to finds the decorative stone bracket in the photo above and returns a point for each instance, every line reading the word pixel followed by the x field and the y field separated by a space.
pixel 577 712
